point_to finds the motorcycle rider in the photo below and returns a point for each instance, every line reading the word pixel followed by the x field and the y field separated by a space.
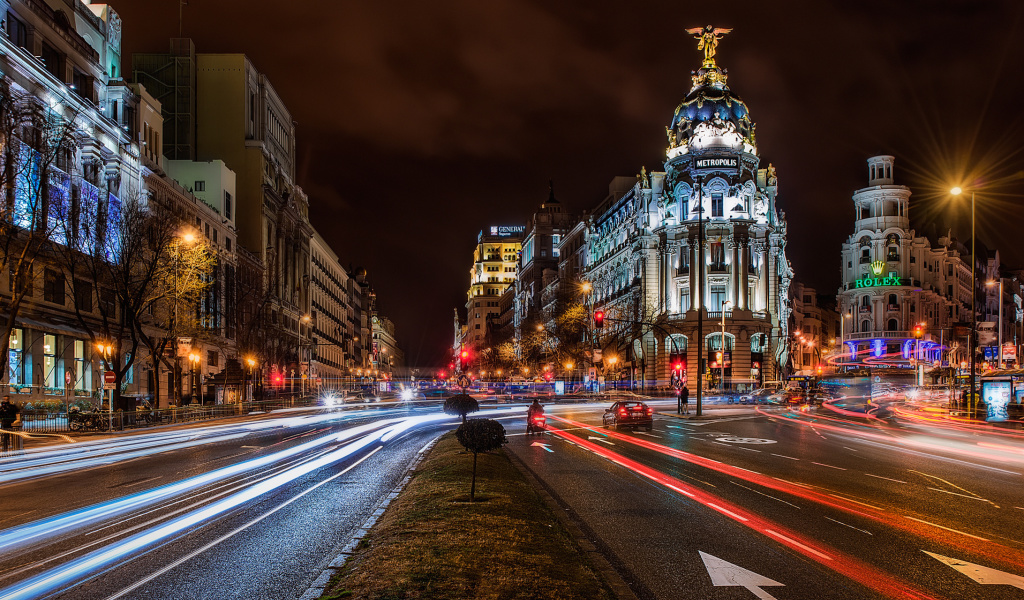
pixel 535 410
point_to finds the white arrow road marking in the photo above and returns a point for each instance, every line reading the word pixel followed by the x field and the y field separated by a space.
pixel 600 439
pixel 725 573
pixel 983 575
pixel 544 446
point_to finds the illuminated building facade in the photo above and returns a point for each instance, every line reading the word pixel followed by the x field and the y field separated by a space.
pixel 895 281
pixel 670 251
pixel 495 266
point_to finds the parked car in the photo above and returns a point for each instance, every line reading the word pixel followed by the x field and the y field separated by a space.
pixel 629 414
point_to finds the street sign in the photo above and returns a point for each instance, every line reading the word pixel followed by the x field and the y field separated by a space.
pixel 319 382
pixel 463 381
pixel 109 380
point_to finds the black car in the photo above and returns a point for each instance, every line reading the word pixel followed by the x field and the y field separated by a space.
pixel 628 413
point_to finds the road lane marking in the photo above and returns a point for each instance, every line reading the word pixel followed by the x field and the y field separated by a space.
pixel 724 573
pixel 600 439
pixel 858 502
pixel 949 483
pixel 727 512
pixel 850 526
pixel 765 495
pixel 886 478
pixel 829 466
pixel 784 456
pixel 748 449
pixel 977 537
pixel 721 444
pixel 850 449
pixel 961 495
pixel 141 481
pixel 545 446
pixel 647 434
pixel 230 534
pixel 796 543
pixel 979 573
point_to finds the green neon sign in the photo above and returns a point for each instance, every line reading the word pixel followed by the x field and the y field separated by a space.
pixel 877 282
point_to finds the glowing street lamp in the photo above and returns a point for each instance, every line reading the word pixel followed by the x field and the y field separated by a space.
pixel 956 191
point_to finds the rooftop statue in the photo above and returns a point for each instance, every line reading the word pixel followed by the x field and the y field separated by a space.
pixel 708 37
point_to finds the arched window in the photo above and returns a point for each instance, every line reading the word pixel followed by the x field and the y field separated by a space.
pixel 892 244
pixel 892 325
pixel 865 326
pixel 892 301
pixel 865 256
pixel 759 343
pixel 714 341
pixel 865 302
pixel 679 344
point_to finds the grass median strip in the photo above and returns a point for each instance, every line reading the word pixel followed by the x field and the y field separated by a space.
pixel 433 543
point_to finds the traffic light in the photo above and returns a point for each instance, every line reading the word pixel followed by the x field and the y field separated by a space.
pixel 918 331
pixel 598 319
pixel 278 379
pixel 464 358
pixel 676 361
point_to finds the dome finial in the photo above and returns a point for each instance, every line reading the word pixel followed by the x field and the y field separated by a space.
pixel 708 37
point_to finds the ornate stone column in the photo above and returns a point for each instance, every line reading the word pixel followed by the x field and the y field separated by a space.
pixel 743 275
pixel 734 272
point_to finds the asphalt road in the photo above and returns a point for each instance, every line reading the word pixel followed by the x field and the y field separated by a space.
pixel 799 505
pixel 251 508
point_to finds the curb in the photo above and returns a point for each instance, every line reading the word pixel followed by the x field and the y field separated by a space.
pixel 596 556
pixel 316 589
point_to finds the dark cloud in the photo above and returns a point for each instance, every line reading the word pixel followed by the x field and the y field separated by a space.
pixel 422 123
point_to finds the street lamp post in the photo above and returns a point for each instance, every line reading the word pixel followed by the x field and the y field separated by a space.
pixel 972 343
pixel 1000 333
pixel 193 359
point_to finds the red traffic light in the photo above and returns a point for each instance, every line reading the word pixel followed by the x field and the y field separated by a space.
pixel 465 354
pixel 599 319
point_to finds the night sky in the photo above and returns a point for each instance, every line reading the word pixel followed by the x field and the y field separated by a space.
pixel 420 123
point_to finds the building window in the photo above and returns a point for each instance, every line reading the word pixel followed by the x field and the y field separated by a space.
pixel 21 279
pixel 79 382
pixel 53 287
pixel 892 325
pixel 227 205
pixel 17 31
pixel 15 353
pixel 49 361
pixel 684 301
pixel 717 297
pixel 200 186
pixel 865 326
pixel 717 205
pixel 212 358
pixel 83 295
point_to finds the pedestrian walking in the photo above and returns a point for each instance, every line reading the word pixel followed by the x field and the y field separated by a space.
pixel 685 398
pixel 8 415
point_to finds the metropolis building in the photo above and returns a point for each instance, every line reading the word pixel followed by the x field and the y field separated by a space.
pixel 668 255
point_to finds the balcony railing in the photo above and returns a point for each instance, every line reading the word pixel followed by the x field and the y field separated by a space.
pixel 865 335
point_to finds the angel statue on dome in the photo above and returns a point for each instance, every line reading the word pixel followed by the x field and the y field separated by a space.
pixel 708 37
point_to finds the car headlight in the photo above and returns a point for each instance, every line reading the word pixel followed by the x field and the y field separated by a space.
pixel 406 395
pixel 329 400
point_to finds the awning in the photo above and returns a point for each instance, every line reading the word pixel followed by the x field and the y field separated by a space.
pixel 50 327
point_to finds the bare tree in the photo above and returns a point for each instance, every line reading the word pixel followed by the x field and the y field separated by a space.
pixel 37 146
pixel 130 263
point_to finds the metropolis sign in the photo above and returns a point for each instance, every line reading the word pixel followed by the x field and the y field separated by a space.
pixel 727 162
